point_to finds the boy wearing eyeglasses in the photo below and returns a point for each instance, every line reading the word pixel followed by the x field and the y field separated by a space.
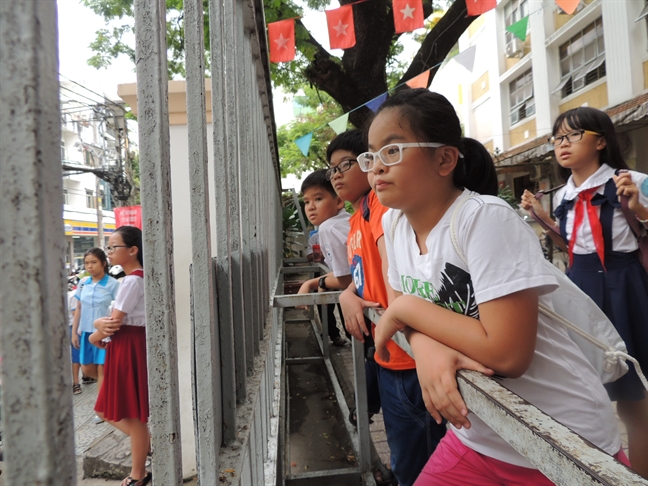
pixel 392 385
pixel 326 210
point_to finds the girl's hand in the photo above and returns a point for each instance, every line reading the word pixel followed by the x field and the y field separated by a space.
pixel 436 367
pixel 626 187
pixel 353 310
pixel 385 329
pixel 96 339
pixel 529 202
pixel 75 341
pixel 306 288
pixel 107 325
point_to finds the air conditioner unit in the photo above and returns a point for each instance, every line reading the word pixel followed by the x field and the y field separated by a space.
pixel 514 48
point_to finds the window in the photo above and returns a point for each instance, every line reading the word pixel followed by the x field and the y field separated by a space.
pixel 65 197
pixel 90 199
pixel 514 11
pixel 521 97
pixel 62 150
pixel 582 59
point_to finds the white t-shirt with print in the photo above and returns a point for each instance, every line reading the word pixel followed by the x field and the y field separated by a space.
pixel 623 239
pixel 333 236
pixel 504 256
pixel 130 300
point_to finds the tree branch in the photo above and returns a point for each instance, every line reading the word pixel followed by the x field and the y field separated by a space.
pixel 439 41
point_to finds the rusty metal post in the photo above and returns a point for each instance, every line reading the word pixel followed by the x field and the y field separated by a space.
pixel 36 376
pixel 153 121
pixel 205 365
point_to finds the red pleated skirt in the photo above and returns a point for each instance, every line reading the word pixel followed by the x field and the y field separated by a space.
pixel 124 393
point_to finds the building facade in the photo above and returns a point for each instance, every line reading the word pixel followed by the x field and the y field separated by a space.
pixel 87 143
pixel 596 57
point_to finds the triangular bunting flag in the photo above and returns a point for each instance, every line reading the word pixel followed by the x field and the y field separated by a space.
pixel 568 6
pixel 374 104
pixel 478 7
pixel 467 58
pixel 408 15
pixel 420 81
pixel 339 125
pixel 281 37
pixel 340 27
pixel 304 143
pixel 519 28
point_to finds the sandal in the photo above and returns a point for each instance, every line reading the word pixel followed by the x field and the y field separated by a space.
pixel 137 482
pixel 383 475
pixel 76 389
pixel 354 419
pixel 339 342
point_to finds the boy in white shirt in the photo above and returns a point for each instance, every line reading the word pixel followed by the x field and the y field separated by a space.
pixel 325 209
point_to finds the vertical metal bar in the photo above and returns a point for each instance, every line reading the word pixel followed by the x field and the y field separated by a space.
pixel 247 194
pixel 232 382
pixel 325 324
pixel 206 373
pixel 36 395
pixel 244 363
pixel 153 122
pixel 360 382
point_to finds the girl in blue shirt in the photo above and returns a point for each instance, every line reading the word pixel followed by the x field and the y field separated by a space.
pixel 94 295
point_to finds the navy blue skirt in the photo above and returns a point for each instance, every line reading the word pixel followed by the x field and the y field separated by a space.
pixel 622 293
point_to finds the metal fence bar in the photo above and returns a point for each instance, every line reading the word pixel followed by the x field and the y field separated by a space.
pixel 205 370
pixel 241 333
pixel 153 122
pixel 36 378
pixel 232 383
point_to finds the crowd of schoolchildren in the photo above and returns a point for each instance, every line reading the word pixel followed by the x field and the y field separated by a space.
pixel 108 342
pixel 463 276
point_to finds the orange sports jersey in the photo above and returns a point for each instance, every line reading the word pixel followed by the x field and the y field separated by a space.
pixel 366 268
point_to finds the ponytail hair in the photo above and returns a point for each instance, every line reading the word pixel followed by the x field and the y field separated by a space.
pixel 132 237
pixel 100 254
pixel 432 118
pixel 586 118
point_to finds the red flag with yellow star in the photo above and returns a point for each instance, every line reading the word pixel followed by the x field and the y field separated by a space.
pixel 281 37
pixel 408 15
pixel 478 7
pixel 340 27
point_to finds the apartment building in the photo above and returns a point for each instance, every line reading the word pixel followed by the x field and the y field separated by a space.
pixel 84 145
pixel 596 57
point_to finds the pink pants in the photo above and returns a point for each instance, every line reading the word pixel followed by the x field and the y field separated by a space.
pixel 454 464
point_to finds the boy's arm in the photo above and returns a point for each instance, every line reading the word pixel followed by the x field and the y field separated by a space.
pixel 332 283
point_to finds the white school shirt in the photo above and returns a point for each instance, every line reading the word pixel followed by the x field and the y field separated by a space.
pixel 623 239
pixel 504 257
pixel 130 300
pixel 333 237
pixel 313 240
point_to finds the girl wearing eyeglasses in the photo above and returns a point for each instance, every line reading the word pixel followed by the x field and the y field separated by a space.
pixel 123 400
pixel 94 294
pixel 483 310
pixel 603 249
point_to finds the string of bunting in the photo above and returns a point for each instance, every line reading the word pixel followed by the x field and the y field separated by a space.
pixel 408 16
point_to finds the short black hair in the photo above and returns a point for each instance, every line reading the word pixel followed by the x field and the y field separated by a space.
pixel 351 140
pixel 318 179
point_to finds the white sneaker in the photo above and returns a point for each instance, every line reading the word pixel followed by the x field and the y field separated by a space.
pixel 98 420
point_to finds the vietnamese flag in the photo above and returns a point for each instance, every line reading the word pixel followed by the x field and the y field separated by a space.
pixel 340 27
pixel 408 15
pixel 478 7
pixel 281 36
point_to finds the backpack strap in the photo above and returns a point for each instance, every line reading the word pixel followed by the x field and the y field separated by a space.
pixel 392 232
